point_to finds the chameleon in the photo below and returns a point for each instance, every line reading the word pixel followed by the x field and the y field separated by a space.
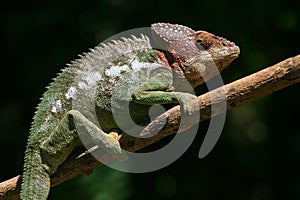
pixel 124 70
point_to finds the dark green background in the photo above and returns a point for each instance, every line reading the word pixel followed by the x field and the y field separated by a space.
pixel 258 154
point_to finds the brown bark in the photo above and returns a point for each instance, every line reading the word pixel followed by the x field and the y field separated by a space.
pixel 237 93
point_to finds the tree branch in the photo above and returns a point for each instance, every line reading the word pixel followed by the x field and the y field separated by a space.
pixel 237 93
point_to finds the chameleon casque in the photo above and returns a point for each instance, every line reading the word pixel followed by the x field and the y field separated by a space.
pixel 126 70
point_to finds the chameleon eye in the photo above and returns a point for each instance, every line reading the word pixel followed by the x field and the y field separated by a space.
pixel 202 44
pixel 198 45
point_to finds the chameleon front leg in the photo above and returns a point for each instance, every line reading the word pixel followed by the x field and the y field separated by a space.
pixel 158 90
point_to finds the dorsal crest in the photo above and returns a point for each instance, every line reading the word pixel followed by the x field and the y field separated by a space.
pixel 106 53
pixel 171 32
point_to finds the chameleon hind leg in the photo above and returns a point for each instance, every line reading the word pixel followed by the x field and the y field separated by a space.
pixel 42 162
pixel 106 141
pixel 62 141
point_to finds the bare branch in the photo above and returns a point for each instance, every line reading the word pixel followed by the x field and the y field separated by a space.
pixel 239 92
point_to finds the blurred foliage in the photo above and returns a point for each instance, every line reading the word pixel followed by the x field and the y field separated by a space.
pixel 258 154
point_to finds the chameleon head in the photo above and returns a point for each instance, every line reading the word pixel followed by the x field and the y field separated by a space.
pixel 222 51
pixel 198 51
pixel 192 46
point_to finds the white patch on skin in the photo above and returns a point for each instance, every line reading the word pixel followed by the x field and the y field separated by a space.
pixel 88 77
pixel 44 126
pixel 82 85
pixel 57 107
pixel 137 66
pixel 93 78
pixel 115 71
pixel 71 92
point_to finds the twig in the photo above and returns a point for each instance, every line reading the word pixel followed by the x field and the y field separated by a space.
pixel 239 92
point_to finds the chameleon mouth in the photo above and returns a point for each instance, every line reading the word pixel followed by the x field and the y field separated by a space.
pixel 224 52
pixel 234 51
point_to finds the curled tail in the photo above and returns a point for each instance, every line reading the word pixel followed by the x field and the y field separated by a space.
pixel 35 178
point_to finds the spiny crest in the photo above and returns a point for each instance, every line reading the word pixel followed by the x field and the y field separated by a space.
pixel 171 32
pixel 106 53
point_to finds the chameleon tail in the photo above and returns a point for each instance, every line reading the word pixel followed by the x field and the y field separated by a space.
pixel 35 178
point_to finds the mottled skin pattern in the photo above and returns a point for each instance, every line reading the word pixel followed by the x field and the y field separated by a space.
pixel 102 81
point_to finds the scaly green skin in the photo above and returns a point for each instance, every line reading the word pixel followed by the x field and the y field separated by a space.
pixel 108 77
